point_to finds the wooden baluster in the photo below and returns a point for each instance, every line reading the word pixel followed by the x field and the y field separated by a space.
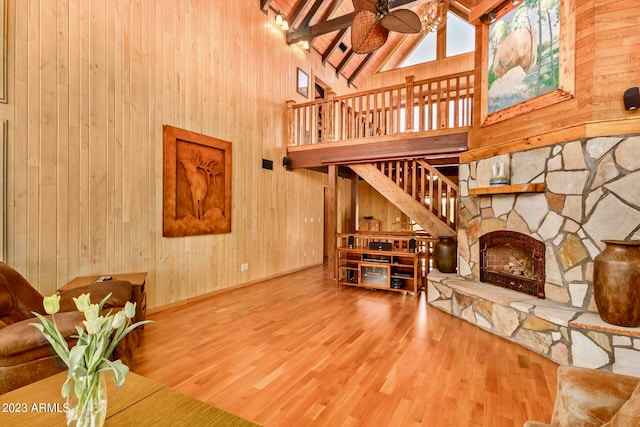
pixel 430 108
pixel 440 201
pixel 399 103
pixel 384 114
pixel 468 122
pixel 431 202
pixel 414 166
pixel 423 201
pixel 439 122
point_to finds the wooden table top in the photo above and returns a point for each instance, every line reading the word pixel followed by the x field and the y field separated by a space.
pixel 139 402
pixel 136 279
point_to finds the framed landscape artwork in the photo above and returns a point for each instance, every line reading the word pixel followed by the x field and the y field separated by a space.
pixel 196 184
pixel 529 62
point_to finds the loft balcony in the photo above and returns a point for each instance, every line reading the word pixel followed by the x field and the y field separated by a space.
pixel 427 119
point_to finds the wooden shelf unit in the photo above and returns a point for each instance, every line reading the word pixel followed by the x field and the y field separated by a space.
pixel 377 269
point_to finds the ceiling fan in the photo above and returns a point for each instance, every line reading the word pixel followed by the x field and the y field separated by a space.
pixel 373 21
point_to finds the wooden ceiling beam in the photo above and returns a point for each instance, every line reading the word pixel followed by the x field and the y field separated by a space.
pixel 264 5
pixel 461 13
pixel 296 13
pixel 310 32
pixel 344 62
pixel 475 17
pixel 333 45
pixel 312 12
pixel 360 67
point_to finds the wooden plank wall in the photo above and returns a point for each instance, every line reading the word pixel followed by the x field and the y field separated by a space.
pixel 607 62
pixel 371 202
pixel 90 84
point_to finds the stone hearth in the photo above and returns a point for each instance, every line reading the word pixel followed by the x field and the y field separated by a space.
pixel 591 195
pixel 558 331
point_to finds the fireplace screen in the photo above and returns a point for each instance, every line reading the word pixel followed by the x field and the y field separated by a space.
pixel 513 260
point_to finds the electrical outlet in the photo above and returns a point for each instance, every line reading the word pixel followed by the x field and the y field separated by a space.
pixel 244 267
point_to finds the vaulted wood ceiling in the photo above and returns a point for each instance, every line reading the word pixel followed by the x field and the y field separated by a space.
pixel 326 25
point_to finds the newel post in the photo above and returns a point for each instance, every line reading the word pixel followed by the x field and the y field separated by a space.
pixel 408 111
pixel 291 131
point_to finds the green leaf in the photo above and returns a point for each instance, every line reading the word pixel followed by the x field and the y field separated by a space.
pixel 75 356
pixel 120 370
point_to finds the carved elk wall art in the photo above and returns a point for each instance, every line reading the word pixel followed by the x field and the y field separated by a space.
pixel 200 174
pixel 197 184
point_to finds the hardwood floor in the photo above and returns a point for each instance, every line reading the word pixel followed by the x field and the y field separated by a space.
pixel 298 351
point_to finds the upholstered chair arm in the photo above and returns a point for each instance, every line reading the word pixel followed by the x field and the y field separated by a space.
pixel 21 337
pixel 120 293
pixel 589 397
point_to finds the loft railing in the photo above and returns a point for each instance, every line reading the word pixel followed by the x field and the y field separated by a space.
pixel 437 193
pixel 417 106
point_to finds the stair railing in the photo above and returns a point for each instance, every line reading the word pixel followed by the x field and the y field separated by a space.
pixel 427 185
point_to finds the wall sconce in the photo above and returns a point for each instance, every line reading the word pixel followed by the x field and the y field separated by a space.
pixel 631 98
pixel 281 21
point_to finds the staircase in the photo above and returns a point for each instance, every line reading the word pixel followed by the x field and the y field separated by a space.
pixel 418 189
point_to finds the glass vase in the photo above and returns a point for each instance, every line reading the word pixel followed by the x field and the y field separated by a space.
pixel 87 401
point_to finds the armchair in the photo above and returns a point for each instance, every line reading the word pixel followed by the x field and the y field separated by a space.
pixel 25 354
pixel 589 397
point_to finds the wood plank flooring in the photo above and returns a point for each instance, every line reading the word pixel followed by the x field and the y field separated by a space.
pixel 296 351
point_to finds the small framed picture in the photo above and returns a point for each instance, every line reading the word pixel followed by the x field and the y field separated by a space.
pixel 303 83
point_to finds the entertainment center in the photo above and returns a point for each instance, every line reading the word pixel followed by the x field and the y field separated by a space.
pixel 389 261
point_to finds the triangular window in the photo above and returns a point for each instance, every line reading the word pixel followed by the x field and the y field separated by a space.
pixel 460 39
pixel 461 36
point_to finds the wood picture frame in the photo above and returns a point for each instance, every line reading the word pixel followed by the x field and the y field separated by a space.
pixel 557 63
pixel 196 184
pixel 302 83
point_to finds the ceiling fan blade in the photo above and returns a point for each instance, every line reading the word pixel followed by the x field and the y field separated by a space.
pixel 402 21
pixel 367 33
pixel 368 5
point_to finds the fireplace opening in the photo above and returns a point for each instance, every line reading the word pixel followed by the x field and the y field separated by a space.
pixel 513 260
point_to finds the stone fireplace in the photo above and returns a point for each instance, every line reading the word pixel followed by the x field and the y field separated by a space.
pixel 513 260
pixel 589 193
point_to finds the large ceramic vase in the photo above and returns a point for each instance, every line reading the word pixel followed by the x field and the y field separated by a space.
pixel 445 255
pixel 616 282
